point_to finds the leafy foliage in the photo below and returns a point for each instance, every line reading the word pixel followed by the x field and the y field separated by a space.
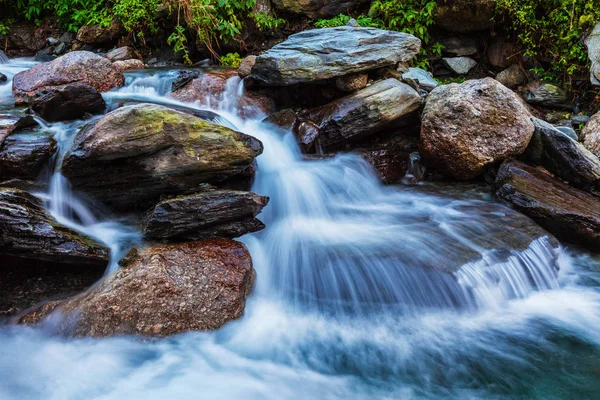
pixel 231 60
pixel 265 22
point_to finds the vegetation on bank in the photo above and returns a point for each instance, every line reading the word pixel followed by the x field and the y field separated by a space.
pixel 549 32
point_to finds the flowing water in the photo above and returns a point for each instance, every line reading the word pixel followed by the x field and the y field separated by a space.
pixel 363 291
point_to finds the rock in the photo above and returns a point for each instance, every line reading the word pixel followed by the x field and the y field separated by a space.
pixel 67 37
pixel 464 16
pixel 96 35
pixel 23 40
pixel 209 214
pixel 67 102
pixel 59 49
pixel 77 66
pixel 467 127
pixel 183 78
pixel 162 290
pixel 568 131
pixel 45 55
pixel 137 153
pixel 352 83
pixel 460 65
pixel 24 155
pixel 321 54
pixel 460 46
pixel 590 134
pixel 545 94
pixel 563 156
pixel 577 120
pixel 245 68
pixel 360 114
pixel 12 123
pixel 593 46
pixel 392 159
pixel 210 88
pixel 512 77
pixel 353 23
pixel 129 64
pixel 571 214
pixel 122 54
pixel 502 54
pixel 27 230
pixel 3 78
pixel 421 77
pixel 317 8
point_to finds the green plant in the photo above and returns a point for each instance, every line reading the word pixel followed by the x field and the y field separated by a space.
pixel 343 19
pixel 265 22
pixel 177 39
pixel 231 60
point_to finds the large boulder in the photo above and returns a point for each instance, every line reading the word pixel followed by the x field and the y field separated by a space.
pixel 358 115
pixel 564 157
pixel 467 127
pixel 317 8
pixel 97 35
pixel 464 16
pixel 571 214
pixel 162 290
pixel 321 54
pixel 27 230
pixel 209 214
pixel 137 153
pixel 593 46
pixel 24 155
pixel 67 102
pixel 591 134
pixel 77 66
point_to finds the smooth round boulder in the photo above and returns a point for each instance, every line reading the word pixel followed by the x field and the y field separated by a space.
pixel 162 290
pixel 77 66
pixel 467 127
pixel 67 102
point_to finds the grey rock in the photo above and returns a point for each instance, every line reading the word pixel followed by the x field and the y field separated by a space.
pixel 67 38
pixel 121 54
pixel 545 94
pixel 421 77
pixel 580 119
pixel 460 65
pixel 52 41
pixel 321 54
pixel 61 48
pixel 13 123
pixel 352 83
pixel 593 46
pixel 511 77
pixel 570 132
pixel 67 102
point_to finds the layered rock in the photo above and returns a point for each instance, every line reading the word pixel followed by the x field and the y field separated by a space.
pixel 77 66
pixel 317 8
pixel 209 214
pixel 545 94
pixel 67 102
pixel 464 16
pixel 358 115
pixel 571 214
pixel 24 155
pixel 27 230
pixel 320 54
pixel 467 127
pixel 137 153
pixel 591 134
pixel 162 290
pixel 12 123
pixel 593 46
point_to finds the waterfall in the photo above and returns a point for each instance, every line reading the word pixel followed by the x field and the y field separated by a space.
pixel 3 58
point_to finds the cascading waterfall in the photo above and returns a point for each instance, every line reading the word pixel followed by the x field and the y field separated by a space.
pixel 363 291
pixel 3 58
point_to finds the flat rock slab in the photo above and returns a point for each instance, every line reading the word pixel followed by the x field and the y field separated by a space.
pixel 24 155
pixel 320 54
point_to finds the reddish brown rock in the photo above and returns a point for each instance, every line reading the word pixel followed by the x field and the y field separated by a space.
pixel 591 134
pixel 77 66
pixel 129 64
pixel 162 290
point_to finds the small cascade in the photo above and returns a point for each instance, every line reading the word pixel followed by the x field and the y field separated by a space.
pixel 4 58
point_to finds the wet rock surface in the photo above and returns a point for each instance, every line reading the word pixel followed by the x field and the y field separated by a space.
pixel 137 153
pixel 27 230
pixel 162 290
pixel 467 127
pixel 321 54
pixel 67 102
pixel 24 155
pixel 569 213
pixel 77 66
pixel 97 35
pixel 122 54
pixel 208 214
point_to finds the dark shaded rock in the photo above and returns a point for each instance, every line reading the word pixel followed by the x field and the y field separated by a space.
pixel 23 155
pixel 569 131
pixel 183 78
pixel 3 78
pixel 12 123
pixel 590 134
pixel 245 68
pixel 358 115
pixel 563 156
pixel 502 54
pixel 137 153
pixel 162 290
pixel 467 127
pixel 512 77
pixel 27 230
pixel 209 214
pixel 317 8
pixel 67 102
pixel 59 49
pixel 391 160
pixel 77 66
pixel 122 54
pixel 460 46
pixel 464 16
pixel 67 37
pixel 321 54
pixel 96 35
pixel 571 214
pixel 545 94
pixel 352 83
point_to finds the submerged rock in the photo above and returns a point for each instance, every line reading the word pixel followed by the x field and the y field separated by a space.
pixel 511 77
pixel 321 54
pixel 77 66
pixel 24 155
pixel 593 46
pixel 570 214
pixel 317 8
pixel 352 83
pixel 358 115
pixel 67 102
pixel 162 290
pixel 467 127
pixel 3 78
pixel 209 214
pixel 27 230
pixel 421 77
pixel 137 153
pixel 591 134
